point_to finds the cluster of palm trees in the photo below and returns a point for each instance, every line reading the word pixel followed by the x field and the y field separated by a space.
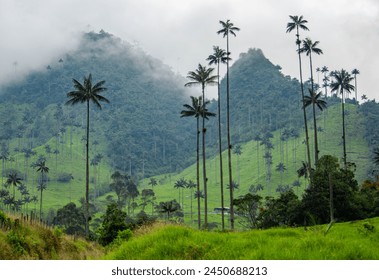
pixel 340 84
pixel 14 202
pixel 203 76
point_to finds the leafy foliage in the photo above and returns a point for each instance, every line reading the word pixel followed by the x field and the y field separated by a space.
pixel 71 219
pixel 114 221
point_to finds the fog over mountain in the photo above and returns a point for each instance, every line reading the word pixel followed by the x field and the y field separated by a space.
pixel 182 34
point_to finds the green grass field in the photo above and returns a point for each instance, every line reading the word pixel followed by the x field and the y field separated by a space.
pixel 344 241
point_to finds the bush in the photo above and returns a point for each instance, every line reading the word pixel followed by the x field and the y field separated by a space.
pixel 122 236
pixel 114 221
pixel 64 177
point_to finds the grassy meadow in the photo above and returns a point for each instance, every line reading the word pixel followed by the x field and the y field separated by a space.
pixel 344 241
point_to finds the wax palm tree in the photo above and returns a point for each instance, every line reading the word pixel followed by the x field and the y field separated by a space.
pixel 195 110
pixel 168 207
pixel 281 168
pixel 296 23
pixel 228 28
pixel 191 185
pixel 203 76
pixel 308 48
pixel 341 83
pixel 180 184
pixel 13 180
pixel 219 56
pixel 314 99
pixel 86 93
pixel 43 169
pixel 355 72
pixel 325 70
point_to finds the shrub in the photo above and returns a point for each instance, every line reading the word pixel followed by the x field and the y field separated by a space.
pixel 64 177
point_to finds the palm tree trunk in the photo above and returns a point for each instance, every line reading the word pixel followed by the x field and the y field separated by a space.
pixel 87 175
pixel 198 174
pixel 331 197
pixel 220 148
pixel 228 136
pixel 343 131
pixel 204 170
pixel 40 205
pixel 304 111
pixel 314 111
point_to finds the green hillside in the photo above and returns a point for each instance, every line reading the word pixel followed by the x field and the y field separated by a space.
pixel 33 241
pixel 249 167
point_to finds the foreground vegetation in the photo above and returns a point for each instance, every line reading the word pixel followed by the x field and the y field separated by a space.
pixel 162 241
pixel 30 241
pixel 344 241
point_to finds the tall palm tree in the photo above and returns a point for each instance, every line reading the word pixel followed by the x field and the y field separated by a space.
pixel 281 168
pixel 43 169
pixel 13 180
pixel 355 72
pixel 325 70
pixel 297 22
pixel 191 185
pixel 228 28
pixel 314 99
pixel 308 48
pixel 341 83
pixel 195 110
pixel 203 76
pixel 219 56
pixel 86 93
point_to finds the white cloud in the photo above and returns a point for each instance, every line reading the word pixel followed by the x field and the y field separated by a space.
pixel 182 33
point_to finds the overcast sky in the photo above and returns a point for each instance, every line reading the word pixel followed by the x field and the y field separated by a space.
pixel 182 33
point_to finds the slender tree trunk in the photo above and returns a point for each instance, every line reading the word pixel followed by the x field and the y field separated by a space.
pixel 220 148
pixel 314 111
pixel 40 204
pixel 228 136
pixel 343 132
pixel 198 174
pixel 204 169
pixel 87 175
pixel 304 111
pixel 331 197
pixel 356 92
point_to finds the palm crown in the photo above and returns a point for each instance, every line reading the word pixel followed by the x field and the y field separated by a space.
pixel 197 109
pixel 227 27
pixel 314 98
pixel 297 21
pixel 219 56
pixel 341 81
pixel 310 47
pixel 86 92
pixel 201 76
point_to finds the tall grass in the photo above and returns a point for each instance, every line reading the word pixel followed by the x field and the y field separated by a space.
pixel 345 241
pixel 35 241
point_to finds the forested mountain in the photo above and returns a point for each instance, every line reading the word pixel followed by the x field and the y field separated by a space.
pixel 262 98
pixel 140 125
pixel 140 131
